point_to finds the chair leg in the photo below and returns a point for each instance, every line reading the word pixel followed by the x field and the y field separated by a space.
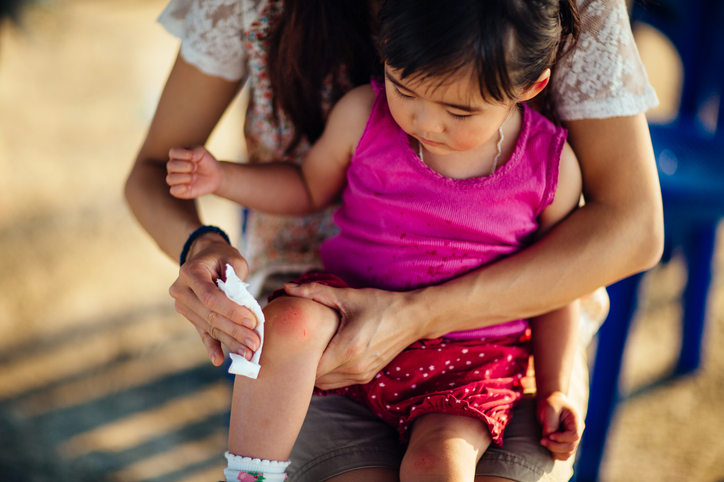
pixel 604 384
pixel 699 252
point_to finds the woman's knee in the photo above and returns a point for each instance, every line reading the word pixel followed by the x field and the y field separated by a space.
pixel 298 324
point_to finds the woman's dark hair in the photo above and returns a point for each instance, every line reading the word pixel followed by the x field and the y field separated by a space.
pixel 316 44
pixel 435 38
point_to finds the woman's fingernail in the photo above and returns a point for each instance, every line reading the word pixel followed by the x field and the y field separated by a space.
pixel 242 352
pixel 248 323
pixel 249 343
pixel 293 284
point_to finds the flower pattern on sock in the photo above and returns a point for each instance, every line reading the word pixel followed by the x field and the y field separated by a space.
pixel 250 477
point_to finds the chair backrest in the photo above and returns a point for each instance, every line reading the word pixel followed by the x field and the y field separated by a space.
pixel 696 29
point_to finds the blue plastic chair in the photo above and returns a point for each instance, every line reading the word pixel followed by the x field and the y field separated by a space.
pixel 690 160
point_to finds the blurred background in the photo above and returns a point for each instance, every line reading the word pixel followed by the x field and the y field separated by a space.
pixel 100 379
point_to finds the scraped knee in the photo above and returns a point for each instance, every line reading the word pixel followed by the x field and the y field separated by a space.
pixel 298 324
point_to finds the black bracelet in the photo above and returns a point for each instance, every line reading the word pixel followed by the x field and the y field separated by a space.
pixel 202 230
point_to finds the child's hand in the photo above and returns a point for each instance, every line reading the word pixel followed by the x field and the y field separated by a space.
pixel 192 172
pixel 562 425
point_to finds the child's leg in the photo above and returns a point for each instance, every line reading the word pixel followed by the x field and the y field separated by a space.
pixel 444 448
pixel 267 413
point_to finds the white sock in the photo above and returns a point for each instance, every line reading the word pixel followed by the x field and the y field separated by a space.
pixel 246 469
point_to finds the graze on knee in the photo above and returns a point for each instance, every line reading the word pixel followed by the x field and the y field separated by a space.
pixel 298 323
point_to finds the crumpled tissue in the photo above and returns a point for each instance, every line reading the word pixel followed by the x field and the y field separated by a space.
pixel 235 290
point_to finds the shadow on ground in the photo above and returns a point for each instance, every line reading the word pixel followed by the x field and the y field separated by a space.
pixel 131 417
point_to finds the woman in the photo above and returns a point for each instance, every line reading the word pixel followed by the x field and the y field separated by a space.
pixel 602 92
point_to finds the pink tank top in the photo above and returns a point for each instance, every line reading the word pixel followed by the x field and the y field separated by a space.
pixel 403 226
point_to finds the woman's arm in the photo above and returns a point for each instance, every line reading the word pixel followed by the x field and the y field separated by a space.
pixel 180 119
pixel 190 106
pixel 617 233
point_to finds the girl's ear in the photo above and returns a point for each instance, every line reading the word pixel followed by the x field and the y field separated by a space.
pixel 537 86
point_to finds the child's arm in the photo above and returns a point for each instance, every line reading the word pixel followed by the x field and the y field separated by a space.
pixel 279 187
pixel 555 340
pixel 555 334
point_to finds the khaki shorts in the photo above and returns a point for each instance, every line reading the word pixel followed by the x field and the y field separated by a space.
pixel 340 435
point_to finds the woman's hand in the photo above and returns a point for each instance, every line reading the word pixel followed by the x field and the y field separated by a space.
pixel 373 329
pixel 217 319
pixel 192 173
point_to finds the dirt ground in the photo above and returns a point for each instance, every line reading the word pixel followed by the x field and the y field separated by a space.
pixel 100 379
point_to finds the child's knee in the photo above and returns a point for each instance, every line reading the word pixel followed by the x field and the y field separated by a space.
pixel 297 324
pixel 444 447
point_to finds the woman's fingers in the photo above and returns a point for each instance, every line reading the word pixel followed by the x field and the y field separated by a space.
pixel 218 309
pixel 371 333
pixel 237 338
pixel 217 319
pixel 318 292
pixel 213 347
pixel 333 380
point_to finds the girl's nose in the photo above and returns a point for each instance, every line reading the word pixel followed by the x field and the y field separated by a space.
pixel 426 120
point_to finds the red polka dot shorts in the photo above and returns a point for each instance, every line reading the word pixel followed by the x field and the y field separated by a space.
pixel 473 378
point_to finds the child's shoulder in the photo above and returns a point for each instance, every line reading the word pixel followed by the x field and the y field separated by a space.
pixel 358 101
pixel 349 115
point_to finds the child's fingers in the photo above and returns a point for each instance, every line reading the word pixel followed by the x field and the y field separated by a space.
pixel 182 191
pixel 571 423
pixel 181 153
pixel 559 446
pixel 560 451
pixel 175 165
pixel 549 420
pixel 565 437
pixel 176 179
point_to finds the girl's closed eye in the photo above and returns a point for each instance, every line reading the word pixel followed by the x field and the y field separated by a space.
pixel 403 96
pixel 459 116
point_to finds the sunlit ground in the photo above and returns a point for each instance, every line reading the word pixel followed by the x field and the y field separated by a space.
pixel 99 378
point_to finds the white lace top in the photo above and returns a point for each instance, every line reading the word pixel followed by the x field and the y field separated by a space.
pixel 228 38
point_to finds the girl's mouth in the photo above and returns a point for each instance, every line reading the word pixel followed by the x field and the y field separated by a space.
pixel 429 143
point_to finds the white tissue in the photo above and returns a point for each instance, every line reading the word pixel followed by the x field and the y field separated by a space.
pixel 236 290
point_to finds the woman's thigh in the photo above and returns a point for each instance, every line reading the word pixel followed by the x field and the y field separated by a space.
pixel 340 435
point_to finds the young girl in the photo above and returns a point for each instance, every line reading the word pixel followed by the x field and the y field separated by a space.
pixel 441 170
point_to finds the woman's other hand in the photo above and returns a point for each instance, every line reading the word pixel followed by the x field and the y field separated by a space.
pixel 373 329
pixel 217 319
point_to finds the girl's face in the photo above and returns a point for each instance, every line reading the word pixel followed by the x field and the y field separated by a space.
pixel 448 117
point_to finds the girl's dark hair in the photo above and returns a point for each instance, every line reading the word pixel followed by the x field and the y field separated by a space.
pixel 436 38
pixel 318 43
